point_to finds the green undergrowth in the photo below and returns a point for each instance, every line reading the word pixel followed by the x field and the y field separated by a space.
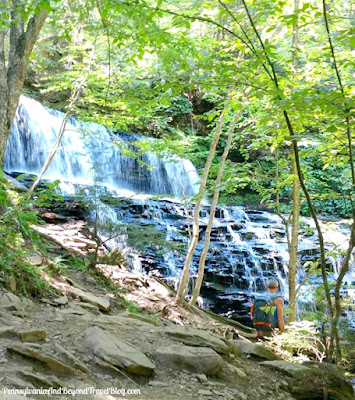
pixel 248 200
pixel 149 237
pixel 62 264
pixel 18 242
pixel 131 307
pixel 303 341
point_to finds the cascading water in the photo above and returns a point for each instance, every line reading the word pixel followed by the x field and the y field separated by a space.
pixel 247 246
pixel 90 153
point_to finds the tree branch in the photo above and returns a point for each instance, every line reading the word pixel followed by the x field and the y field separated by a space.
pixel 343 271
pixel 196 216
pixel 314 216
pixel 80 84
pixel 341 86
pixel 251 47
pixel 194 18
pixel 21 45
pixel 217 190
pixel 271 64
pixel 105 25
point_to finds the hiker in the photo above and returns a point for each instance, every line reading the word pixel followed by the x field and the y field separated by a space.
pixel 267 312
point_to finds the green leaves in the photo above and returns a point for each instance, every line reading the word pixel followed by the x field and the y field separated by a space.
pixel 160 70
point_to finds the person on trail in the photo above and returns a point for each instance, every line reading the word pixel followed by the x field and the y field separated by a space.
pixel 267 311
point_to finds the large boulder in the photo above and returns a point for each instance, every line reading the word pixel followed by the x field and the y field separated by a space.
pixel 255 350
pixel 199 338
pixel 314 380
pixel 118 353
pixel 200 360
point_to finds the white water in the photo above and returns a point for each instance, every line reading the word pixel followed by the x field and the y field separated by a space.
pixel 90 154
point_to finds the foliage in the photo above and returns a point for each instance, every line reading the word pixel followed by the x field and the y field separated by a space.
pixel 248 199
pixel 157 84
pixel 47 195
pixel 115 257
pixel 143 238
pixel 18 242
pixel 131 307
pixel 300 342
pixel 156 62
pixel 64 262
pixel 331 187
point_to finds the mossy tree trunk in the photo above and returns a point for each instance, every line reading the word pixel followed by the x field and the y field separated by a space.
pixel 14 59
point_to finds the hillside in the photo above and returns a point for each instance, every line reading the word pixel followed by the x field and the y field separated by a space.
pixel 109 327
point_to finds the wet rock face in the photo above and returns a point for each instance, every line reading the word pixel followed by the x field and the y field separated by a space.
pixel 248 247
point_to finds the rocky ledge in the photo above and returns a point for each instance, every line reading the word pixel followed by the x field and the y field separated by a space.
pixel 83 337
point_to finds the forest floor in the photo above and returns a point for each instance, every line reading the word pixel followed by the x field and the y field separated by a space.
pixel 83 337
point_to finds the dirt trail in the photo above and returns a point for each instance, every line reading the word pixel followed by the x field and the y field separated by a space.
pixel 85 339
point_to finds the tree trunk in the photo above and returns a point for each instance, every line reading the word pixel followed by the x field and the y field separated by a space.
pixel 4 128
pixel 296 199
pixel 292 267
pixel 345 108
pixel 201 266
pixel 323 261
pixel 12 76
pixel 196 218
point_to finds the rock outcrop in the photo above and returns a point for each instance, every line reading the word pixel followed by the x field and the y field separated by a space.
pixel 199 338
pixel 314 380
pixel 118 353
pixel 102 303
pixel 201 360
pixel 53 363
pixel 33 335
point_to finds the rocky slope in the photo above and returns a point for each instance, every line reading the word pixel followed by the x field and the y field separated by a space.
pixel 83 338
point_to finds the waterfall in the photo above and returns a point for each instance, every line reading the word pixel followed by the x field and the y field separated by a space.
pixel 89 154
pixel 247 248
